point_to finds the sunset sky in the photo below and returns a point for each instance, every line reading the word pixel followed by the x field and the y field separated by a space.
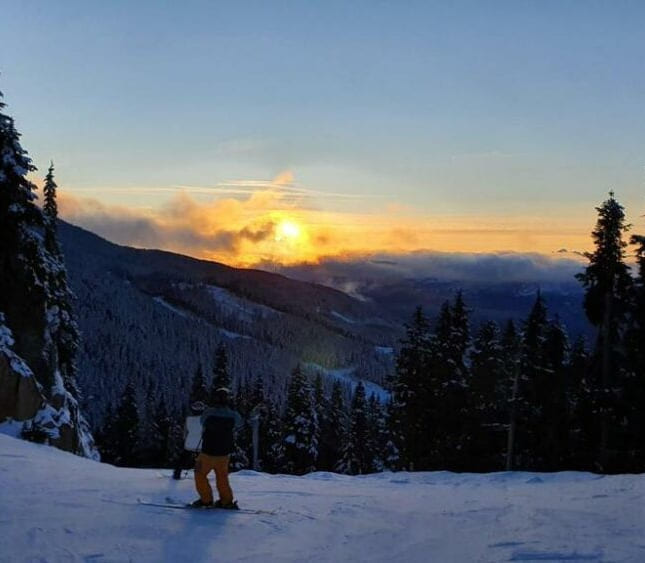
pixel 285 131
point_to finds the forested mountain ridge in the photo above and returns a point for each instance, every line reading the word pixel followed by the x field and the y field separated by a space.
pixel 156 318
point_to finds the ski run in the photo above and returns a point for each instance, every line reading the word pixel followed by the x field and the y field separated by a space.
pixel 57 507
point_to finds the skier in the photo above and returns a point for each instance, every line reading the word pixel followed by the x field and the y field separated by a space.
pixel 219 423
pixel 186 456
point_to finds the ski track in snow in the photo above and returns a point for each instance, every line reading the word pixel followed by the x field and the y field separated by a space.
pixel 56 507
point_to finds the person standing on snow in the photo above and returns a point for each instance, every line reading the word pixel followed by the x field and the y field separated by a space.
pixel 185 458
pixel 219 423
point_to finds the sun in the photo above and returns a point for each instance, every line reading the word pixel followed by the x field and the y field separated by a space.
pixel 288 230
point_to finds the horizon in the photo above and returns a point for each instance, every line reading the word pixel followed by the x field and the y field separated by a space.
pixel 289 134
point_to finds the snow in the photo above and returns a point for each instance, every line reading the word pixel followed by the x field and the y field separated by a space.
pixel 11 427
pixel 346 375
pixel 18 365
pixel 343 318
pixel 58 507
pixel 245 310
pixel 170 307
pixel 233 335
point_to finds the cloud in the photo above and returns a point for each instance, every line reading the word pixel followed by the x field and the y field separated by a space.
pixel 239 222
pixel 182 225
pixel 358 275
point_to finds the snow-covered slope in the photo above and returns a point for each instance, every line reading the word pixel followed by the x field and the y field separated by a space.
pixel 57 507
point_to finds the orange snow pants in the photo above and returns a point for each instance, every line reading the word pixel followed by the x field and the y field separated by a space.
pixel 203 466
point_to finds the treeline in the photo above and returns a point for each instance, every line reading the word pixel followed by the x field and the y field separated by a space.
pixel 526 397
pixel 520 396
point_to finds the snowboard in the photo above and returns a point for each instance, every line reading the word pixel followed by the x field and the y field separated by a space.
pixel 173 504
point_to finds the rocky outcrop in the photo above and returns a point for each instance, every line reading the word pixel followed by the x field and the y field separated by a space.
pixel 20 396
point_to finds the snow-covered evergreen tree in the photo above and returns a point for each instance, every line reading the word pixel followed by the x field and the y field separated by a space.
pixel 300 426
pixel 35 299
pixel 271 446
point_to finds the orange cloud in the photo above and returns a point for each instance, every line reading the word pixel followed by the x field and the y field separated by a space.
pixel 249 228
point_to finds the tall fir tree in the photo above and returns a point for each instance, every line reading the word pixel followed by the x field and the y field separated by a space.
pixel 165 432
pixel 554 426
pixel 357 458
pixel 66 334
pixel 635 345
pixel 335 431
pixel 379 443
pixel 448 385
pixel 410 415
pixel 582 423
pixel 486 418
pixel 125 430
pixel 608 287
pixel 199 390
pixel 533 382
pixel 300 426
pixel 221 375
pixel 511 375
pixel 271 446
pixel 322 406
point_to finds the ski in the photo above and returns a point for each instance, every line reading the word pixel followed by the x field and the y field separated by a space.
pixel 178 506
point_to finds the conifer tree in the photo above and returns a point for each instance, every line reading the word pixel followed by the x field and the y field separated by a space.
pixel 357 455
pixel 257 399
pixel 554 425
pixel 322 412
pixel 271 446
pixel 410 416
pixel 582 423
pixel 125 435
pixel 300 426
pixel 608 287
pixel 486 417
pixel 241 456
pixel 336 428
pixel 379 445
pixel 635 345
pixel 221 375
pixel 199 391
pixel 33 301
pixel 448 385
pixel 511 350
pixel 164 426
pixel 532 382
pixel 66 334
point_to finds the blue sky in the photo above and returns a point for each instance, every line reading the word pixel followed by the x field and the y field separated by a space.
pixel 447 108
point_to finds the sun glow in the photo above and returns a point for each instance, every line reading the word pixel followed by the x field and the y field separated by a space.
pixel 288 230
